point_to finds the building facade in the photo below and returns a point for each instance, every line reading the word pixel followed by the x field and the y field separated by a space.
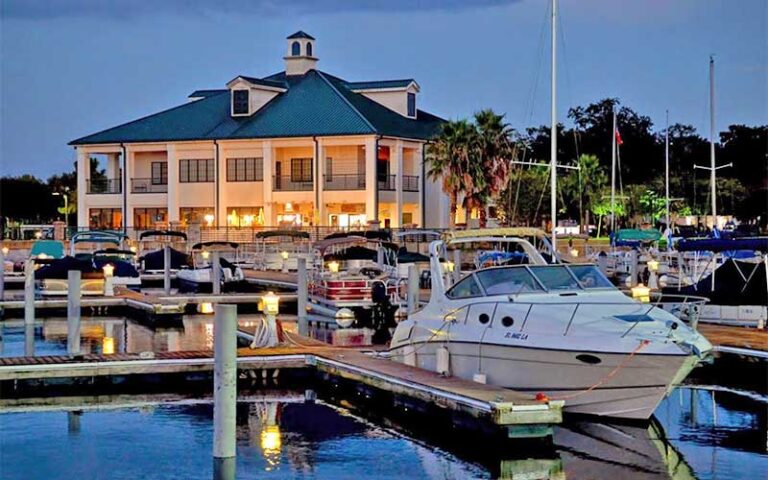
pixel 296 148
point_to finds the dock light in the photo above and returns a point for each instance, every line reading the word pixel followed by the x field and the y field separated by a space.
pixel 42 256
pixel 205 254
pixel 574 252
pixel 284 255
pixel 205 308
pixel 653 265
pixel 133 248
pixel 6 250
pixel 108 346
pixel 333 266
pixel 641 293
pixel 449 266
pixel 38 234
pixel 271 303
pixel 109 270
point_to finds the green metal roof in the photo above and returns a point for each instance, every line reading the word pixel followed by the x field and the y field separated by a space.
pixel 314 104
pixel 380 84
pixel 301 34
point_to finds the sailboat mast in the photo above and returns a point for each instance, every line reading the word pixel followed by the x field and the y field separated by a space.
pixel 613 171
pixel 666 167
pixel 712 176
pixel 553 135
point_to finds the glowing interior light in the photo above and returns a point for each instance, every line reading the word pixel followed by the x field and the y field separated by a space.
pixel 108 346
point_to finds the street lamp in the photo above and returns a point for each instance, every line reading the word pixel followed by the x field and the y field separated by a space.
pixel 66 208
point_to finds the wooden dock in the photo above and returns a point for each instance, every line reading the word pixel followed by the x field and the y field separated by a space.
pixel 737 340
pixel 520 414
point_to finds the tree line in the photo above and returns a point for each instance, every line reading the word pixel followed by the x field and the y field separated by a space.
pixel 478 162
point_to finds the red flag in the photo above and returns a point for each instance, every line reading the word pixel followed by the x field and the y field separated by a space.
pixel 619 141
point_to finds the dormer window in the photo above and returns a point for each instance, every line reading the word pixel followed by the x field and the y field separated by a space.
pixel 296 49
pixel 309 49
pixel 411 104
pixel 240 102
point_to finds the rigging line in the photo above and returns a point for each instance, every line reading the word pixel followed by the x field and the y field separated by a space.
pixel 543 191
pixel 568 82
pixel 530 106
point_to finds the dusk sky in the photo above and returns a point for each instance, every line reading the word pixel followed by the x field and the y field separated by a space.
pixel 74 67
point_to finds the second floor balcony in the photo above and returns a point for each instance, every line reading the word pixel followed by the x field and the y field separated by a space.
pixel 148 185
pixel 344 182
pixel 104 185
pixel 389 182
pixel 288 183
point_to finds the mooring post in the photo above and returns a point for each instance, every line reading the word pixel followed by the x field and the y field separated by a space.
pixel 216 273
pixel 29 292
pixel 2 274
pixel 167 269
pixel 413 289
pixel 456 265
pixel 633 268
pixel 302 294
pixel 73 312
pixel 224 381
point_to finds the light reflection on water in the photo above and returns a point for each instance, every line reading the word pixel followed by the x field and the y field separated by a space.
pixel 114 335
pixel 282 436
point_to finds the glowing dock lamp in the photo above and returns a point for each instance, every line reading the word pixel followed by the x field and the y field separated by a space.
pixel 641 293
pixel 5 251
pixel 133 248
pixel 284 256
pixel 108 346
pixel 270 305
pixel 109 286
pixel 38 234
pixel 205 254
pixel 653 268
pixel 333 267
pixel 574 252
pixel 450 266
pixel 205 308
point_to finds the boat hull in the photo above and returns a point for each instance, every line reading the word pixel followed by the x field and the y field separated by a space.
pixel 593 383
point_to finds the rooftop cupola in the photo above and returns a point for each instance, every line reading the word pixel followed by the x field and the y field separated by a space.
pixel 300 54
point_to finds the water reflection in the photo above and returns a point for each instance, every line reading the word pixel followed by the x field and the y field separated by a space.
pixel 109 335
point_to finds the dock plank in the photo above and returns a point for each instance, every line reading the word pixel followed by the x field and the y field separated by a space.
pixel 735 336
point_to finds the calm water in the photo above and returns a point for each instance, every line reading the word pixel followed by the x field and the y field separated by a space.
pixel 696 433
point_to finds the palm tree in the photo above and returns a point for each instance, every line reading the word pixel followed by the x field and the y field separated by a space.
pixel 449 155
pixel 586 185
pixel 495 149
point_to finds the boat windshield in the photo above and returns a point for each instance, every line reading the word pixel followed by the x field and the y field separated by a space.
pixel 555 277
pixel 590 276
pixel 507 281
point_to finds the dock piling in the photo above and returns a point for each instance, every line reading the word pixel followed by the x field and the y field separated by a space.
pixel 224 381
pixel 29 292
pixel 73 312
pixel 302 293
pixel 633 268
pixel 413 289
pixel 215 273
pixel 167 269
pixel 2 276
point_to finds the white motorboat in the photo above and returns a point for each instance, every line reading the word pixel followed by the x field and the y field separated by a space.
pixel 560 330
pixel 200 278
pixel 281 249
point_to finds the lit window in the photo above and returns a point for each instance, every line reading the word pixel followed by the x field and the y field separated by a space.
pixel 240 102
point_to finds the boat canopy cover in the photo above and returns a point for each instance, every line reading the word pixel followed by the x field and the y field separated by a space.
pixel 51 248
pixel 323 245
pixel 736 283
pixel 215 244
pixel 634 236
pixel 404 256
pixel 113 251
pixel 498 232
pixel 162 233
pixel 98 236
pixel 155 260
pixel 358 252
pixel 282 233
pixel 58 268
pixel 723 245
pixel 383 235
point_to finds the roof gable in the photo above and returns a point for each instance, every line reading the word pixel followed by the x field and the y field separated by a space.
pixel 300 34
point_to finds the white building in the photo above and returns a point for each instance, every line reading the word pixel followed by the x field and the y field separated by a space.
pixel 299 147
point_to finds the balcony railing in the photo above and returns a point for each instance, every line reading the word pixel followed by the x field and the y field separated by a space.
pixel 344 182
pixel 285 183
pixel 387 182
pixel 104 185
pixel 410 183
pixel 146 185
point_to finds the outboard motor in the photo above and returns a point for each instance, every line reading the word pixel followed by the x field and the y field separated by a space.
pixel 382 313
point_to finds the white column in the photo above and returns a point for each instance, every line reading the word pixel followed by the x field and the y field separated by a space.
pixel 221 174
pixel 421 171
pixel 128 163
pixel 83 175
pixel 267 160
pixel 320 207
pixel 397 167
pixel 370 179
pixel 173 183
